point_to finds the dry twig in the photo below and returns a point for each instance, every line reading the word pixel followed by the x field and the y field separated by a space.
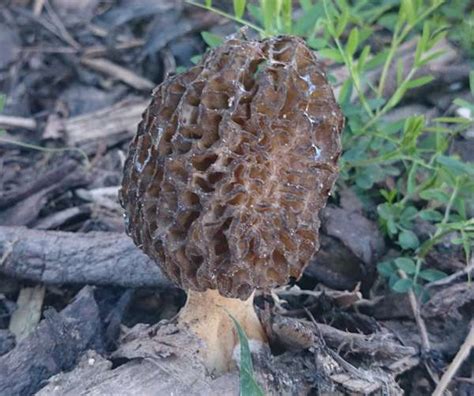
pixel 118 72
pixel 420 323
pixel 11 122
pixel 462 354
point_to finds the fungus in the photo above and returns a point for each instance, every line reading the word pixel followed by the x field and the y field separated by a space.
pixel 225 178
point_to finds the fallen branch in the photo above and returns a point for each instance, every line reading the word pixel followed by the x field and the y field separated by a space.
pixel 98 258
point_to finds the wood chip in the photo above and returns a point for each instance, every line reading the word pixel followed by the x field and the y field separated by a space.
pixel 102 124
pixel 28 313
pixel 355 384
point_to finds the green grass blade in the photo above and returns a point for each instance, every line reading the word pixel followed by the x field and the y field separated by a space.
pixel 239 8
pixel 267 8
pixel 287 13
pixel 248 384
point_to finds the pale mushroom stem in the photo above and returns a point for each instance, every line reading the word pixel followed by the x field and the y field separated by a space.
pixel 207 316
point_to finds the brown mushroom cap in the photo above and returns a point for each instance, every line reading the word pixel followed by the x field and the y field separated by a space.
pixel 230 166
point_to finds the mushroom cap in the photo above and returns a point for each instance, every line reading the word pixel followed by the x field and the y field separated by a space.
pixel 230 166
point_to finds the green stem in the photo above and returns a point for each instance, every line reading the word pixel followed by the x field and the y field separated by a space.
pixel 228 16
pixel 391 103
pixel 393 49
pixel 355 78
pixel 48 149
pixel 440 233
pixel 392 156
pixel 396 40
pixel 348 62
pixel 417 190
pixel 449 206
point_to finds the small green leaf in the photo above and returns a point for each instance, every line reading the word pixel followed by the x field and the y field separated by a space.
pixel 196 59
pixel 402 285
pixel 431 57
pixel 352 41
pixel 388 195
pixel 317 43
pixel 418 82
pixel 331 53
pixel 408 214
pixel 377 60
pixel 420 291
pixel 392 228
pixel 397 96
pixel 363 181
pixel 432 275
pixel 408 240
pixel 385 268
pixel 208 3
pixel 388 21
pixel 394 278
pixel 362 61
pixel 411 181
pixel 212 40
pixel 420 46
pixel 410 11
pixel 385 211
pixel 406 264
pixel 342 21
pixel 345 92
pixel 456 166
pixel 430 215
pixel 412 128
pixel 435 194
pixel 457 241
pixel 310 20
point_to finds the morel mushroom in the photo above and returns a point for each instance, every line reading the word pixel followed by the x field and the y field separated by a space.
pixel 224 180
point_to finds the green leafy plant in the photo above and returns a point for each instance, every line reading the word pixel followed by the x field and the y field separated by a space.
pixel 427 182
pixel 460 15
pixel 411 276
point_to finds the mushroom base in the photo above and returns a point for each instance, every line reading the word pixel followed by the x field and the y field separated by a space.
pixel 207 316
